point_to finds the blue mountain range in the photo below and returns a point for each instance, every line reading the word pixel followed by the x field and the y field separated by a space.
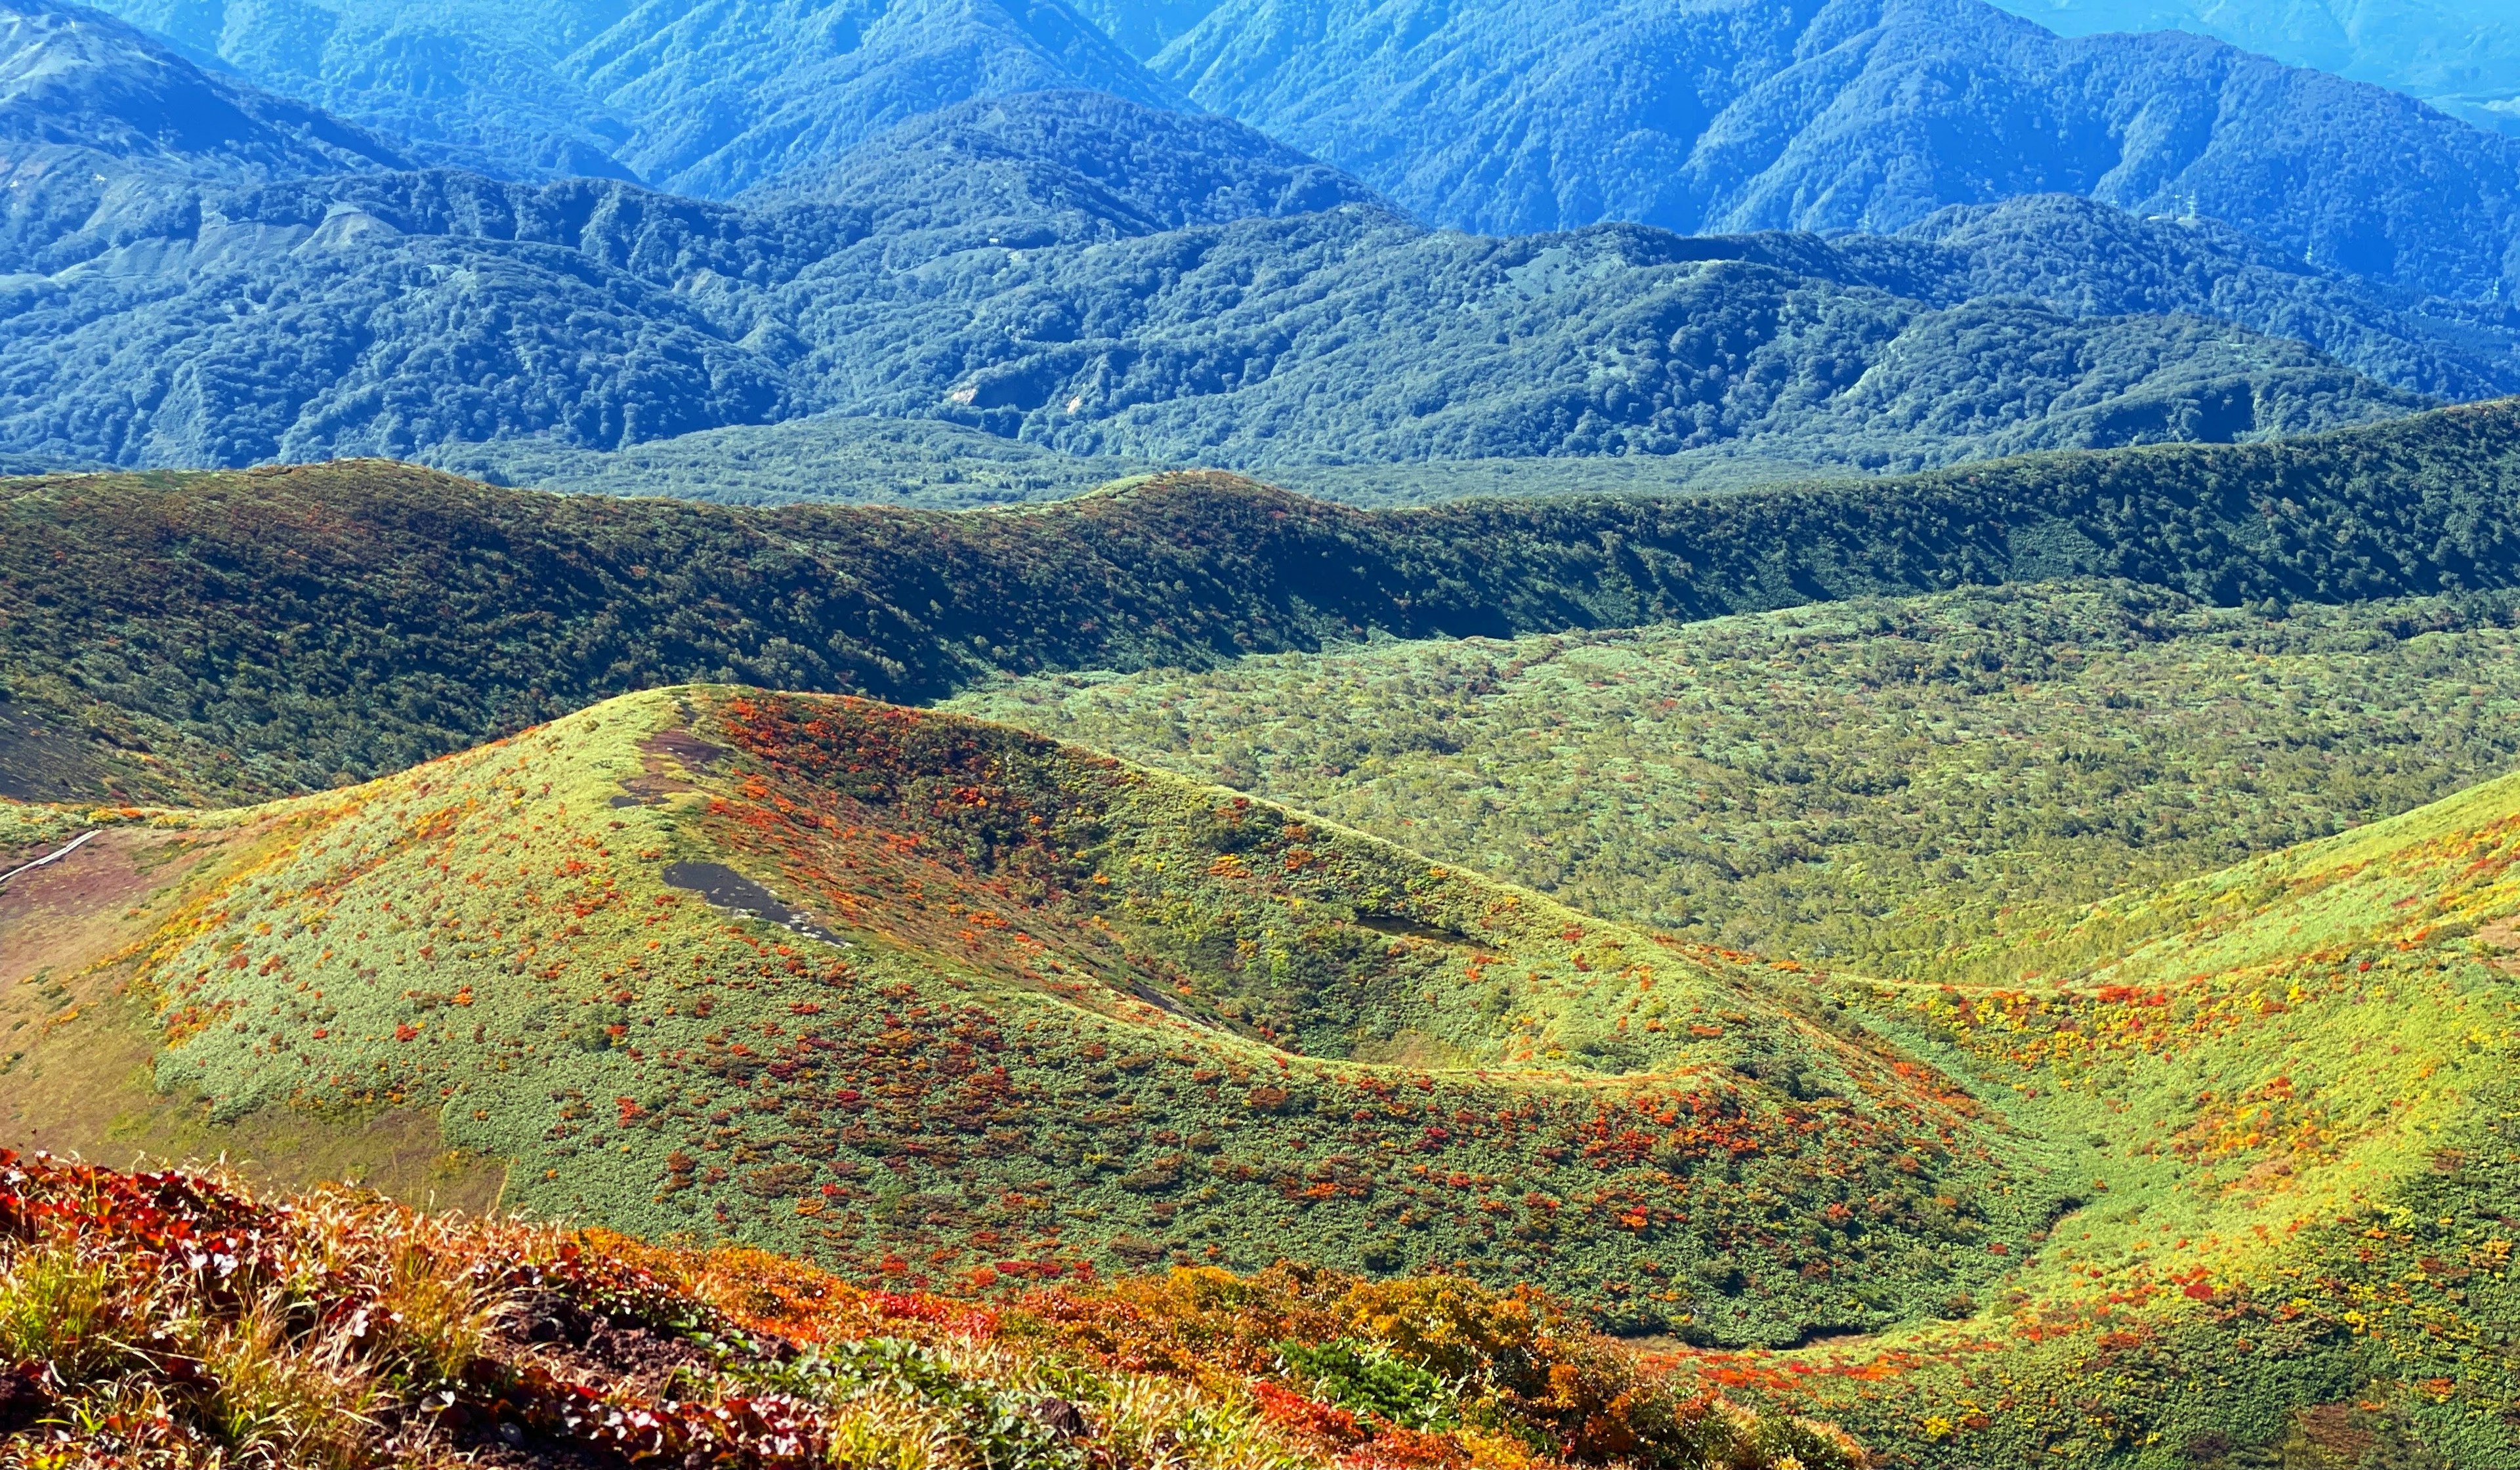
pixel 591 226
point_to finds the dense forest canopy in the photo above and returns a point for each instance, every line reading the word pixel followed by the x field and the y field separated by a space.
pixel 280 630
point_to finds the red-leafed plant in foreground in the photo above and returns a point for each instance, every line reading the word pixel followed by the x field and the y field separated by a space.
pixel 176 1319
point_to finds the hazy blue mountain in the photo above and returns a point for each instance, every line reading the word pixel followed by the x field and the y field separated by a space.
pixel 96 119
pixel 1143 27
pixel 726 94
pixel 391 313
pixel 1068 165
pixel 701 96
pixel 1511 116
pixel 2461 56
pixel 477 84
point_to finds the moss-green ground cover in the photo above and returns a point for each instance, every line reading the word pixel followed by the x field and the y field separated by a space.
pixel 1866 783
pixel 2224 1173
pixel 1045 1013
pixel 2297 1081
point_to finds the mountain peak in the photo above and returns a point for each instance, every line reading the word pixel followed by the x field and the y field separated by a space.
pixel 74 78
pixel 1850 115
pixel 1090 163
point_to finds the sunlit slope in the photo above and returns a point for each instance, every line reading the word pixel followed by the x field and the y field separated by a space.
pixel 2295 1085
pixel 1029 1010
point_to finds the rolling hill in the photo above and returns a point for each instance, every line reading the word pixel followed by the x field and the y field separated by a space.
pixel 2298 1076
pixel 1872 783
pixel 922 995
pixel 2221 1170
pixel 1851 114
pixel 222 635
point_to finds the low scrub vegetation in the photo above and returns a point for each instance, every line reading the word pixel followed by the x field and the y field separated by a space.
pixel 180 1319
pixel 1872 783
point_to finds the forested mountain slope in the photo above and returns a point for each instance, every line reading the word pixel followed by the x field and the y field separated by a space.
pixel 100 123
pixel 407 311
pixel 2461 56
pixel 1487 116
pixel 821 457
pixel 285 630
pixel 2088 259
pixel 1493 114
pixel 702 100
pixel 1106 279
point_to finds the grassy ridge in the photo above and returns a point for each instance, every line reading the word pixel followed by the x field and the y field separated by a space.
pixel 2227 1172
pixel 1872 783
pixel 1052 1014
pixel 268 631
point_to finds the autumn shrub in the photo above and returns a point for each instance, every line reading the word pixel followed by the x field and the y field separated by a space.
pixel 170 1318
pixel 1370 1378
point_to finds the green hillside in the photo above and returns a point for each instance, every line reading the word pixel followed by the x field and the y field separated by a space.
pixel 2219 1174
pixel 1004 1011
pixel 208 637
pixel 2298 1081
pixel 1869 782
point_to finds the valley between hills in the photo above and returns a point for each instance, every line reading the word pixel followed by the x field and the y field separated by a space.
pixel 2044 996
pixel 1321 734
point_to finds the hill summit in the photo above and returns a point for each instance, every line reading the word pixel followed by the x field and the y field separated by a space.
pixel 928 998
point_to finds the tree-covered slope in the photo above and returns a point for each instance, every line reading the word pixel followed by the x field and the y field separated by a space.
pixel 102 124
pixel 2088 259
pixel 288 629
pixel 406 311
pixel 823 457
pixel 2461 56
pixel 1851 114
pixel 877 984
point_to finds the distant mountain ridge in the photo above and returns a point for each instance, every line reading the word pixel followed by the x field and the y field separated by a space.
pixel 1500 116
pixel 1513 115
pixel 704 99
pixel 414 310
pixel 2461 56
pixel 1113 279
pixel 97 121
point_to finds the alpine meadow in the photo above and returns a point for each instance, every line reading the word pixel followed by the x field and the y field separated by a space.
pixel 1327 734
